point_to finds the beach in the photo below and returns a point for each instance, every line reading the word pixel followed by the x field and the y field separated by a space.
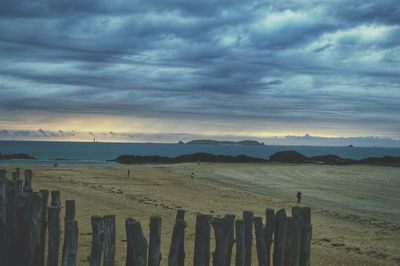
pixel 355 213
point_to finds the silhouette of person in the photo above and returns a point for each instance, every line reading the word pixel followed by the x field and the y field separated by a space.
pixel 192 175
pixel 299 197
pixel 129 173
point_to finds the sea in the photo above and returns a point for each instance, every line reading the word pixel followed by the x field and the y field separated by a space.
pixel 100 153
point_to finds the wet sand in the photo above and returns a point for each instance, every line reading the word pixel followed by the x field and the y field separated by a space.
pixel 355 209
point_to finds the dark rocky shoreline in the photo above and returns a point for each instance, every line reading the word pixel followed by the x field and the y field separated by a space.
pixel 18 156
pixel 281 157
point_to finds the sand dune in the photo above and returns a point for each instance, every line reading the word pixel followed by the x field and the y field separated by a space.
pixel 355 211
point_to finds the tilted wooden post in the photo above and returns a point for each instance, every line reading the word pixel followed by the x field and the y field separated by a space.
pixel 70 248
pixel 54 235
pixel 248 217
pixel 45 197
pixel 239 243
pixel 180 215
pixel 55 198
pixel 202 240
pixel 3 173
pixel 28 181
pixel 28 216
pixel 175 249
pixel 280 238
pixel 97 240
pixel 18 173
pixel 109 240
pixel 223 229
pixel 136 254
pixel 269 232
pixel 260 242
pixel 154 257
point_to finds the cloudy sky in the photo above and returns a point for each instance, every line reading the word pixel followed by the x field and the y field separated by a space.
pixel 253 69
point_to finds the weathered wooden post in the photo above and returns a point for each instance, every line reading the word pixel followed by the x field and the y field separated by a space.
pixel 3 218
pixel 19 185
pixel 306 235
pixel 55 198
pixel 97 241
pixel 280 237
pixel 202 240
pixel 248 217
pixel 3 173
pixel 11 194
pixel 223 229
pixel 239 243
pixel 292 249
pixel 28 181
pixel 14 176
pixel 268 232
pixel 136 254
pixel 45 197
pixel 180 215
pixel 54 235
pixel 17 173
pixel 70 248
pixel 155 241
pixel 28 216
pixel 109 240
pixel 260 242
pixel 69 210
pixel 175 249
pixel 70 234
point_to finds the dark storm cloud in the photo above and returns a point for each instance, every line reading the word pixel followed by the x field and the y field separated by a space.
pixel 291 61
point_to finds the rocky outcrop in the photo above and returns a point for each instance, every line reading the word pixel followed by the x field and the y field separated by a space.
pixel 18 156
pixel 289 157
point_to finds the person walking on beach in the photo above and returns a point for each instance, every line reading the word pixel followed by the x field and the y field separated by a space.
pixel 298 197
pixel 192 175
pixel 129 173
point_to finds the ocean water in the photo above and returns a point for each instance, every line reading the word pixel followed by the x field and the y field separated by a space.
pixel 85 153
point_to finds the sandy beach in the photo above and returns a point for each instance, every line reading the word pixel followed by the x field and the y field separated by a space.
pixel 355 209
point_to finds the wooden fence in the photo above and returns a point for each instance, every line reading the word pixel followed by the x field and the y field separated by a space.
pixel 28 225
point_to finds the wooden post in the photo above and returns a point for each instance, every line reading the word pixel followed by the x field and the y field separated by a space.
pixel 55 198
pixel 3 173
pixel 202 241
pixel 70 241
pixel 292 249
pixel 223 229
pixel 28 181
pixel 19 185
pixel 28 216
pixel 54 235
pixel 155 241
pixel 247 236
pixel 306 235
pixel 69 210
pixel 280 237
pixel 11 194
pixel 109 240
pixel 268 232
pixel 3 218
pixel 260 242
pixel 136 254
pixel 14 176
pixel 239 243
pixel 175 249
pixel 97 241
pixel 180 215
pixel 17 173
pixel 70 248
pixel 45 197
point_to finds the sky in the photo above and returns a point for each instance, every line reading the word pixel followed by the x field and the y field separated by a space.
pixel 168 70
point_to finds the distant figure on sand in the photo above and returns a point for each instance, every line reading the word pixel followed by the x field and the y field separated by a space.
pixel 192 175
pixel 129 173
pixel 298 197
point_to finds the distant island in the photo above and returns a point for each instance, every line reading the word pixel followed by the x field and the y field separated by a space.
pixel 222 142
pixel 279 157
pixel 18 156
